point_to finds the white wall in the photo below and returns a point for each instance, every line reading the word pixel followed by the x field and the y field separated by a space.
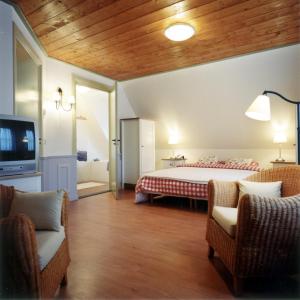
pixel 263 156
pixel 124 111
pixel 6 58
pixel 206 103
pixel 57 133
pixel 57 125
pixel 92 133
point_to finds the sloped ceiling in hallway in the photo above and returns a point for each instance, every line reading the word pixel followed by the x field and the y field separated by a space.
pixel 206 104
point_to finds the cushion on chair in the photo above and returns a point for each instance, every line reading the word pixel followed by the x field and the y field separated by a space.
pixel 226 217
pixel 48 243
pixel 43 208
pixel 267 189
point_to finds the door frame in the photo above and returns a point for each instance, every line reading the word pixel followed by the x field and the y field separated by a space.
pixel 20 38
pixel 121 170
pixel 77 80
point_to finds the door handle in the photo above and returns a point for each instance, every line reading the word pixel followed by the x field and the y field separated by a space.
pixel 115 141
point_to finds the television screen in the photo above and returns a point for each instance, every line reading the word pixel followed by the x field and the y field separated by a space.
pixel 17 140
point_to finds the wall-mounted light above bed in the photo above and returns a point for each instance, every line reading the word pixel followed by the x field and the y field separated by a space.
pixel 260 110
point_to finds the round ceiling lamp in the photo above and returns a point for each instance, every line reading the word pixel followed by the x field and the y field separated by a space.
pixel 179 32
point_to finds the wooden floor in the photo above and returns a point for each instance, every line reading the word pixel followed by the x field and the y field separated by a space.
pixel 121 250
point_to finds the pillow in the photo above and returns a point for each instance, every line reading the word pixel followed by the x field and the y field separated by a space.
pixel 44 208
pixel 208 159
pixel 267 189
pixel 240 161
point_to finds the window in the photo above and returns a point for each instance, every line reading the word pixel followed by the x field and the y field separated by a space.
pixel 30 140
pixel 6 139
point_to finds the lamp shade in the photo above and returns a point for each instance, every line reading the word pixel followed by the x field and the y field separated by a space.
pixel 173 140
pixel 280 138
pixel 260 109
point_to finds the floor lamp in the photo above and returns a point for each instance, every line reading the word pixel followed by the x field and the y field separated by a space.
pixel 260 110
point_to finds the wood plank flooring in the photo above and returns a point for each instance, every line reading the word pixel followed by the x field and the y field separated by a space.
pixel 121 250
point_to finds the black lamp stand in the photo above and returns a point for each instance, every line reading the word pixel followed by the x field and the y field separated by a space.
pixel 298 120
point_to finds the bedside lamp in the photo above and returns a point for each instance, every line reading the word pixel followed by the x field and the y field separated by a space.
pixel 279 138
pixel 173 140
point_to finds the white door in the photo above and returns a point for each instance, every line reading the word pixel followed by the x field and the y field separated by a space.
pixel 114 144
pixel 147 146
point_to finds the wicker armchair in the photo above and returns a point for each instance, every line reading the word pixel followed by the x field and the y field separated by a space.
pixel 267 232
pixel 19 265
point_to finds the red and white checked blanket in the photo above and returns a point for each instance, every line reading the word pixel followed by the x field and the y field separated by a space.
pixel 171 187
pixel 223 165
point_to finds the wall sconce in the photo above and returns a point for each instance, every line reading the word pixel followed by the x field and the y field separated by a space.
pixel 59 100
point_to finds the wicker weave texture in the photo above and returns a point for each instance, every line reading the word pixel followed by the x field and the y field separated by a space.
pixel 222 193
pixel 225 246
pixel 53 274
pixel 290 177
pixel 268 230
pixel 19 257
pixel 6 197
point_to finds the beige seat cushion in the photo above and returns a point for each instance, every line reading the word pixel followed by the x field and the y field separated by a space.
pixel 226 217
pixel 43 208
pixel 48 243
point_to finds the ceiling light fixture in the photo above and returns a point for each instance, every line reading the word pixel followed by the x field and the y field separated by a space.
pixel 179 32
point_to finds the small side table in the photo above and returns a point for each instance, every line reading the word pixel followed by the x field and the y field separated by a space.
pixel 277 164
pixel 172 162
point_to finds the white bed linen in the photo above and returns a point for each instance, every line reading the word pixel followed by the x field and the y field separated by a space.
pixel 200 175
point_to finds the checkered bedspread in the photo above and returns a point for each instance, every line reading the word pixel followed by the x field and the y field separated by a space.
pixel 170 187
pixel 174 187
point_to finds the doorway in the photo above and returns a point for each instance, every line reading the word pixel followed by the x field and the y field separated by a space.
pixel 92 140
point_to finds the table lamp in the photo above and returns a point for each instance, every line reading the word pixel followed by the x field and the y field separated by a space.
pixel 173 140
pixel 279 138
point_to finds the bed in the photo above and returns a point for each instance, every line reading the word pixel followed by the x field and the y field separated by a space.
pixel 189 180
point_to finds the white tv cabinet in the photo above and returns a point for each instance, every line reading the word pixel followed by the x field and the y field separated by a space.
pixel 25 182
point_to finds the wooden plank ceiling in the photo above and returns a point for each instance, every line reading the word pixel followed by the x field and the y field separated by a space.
pixel 125 39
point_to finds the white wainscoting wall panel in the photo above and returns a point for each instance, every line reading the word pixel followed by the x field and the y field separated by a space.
pixel 59 172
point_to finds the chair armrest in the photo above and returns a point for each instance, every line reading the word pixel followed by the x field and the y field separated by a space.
pixel 222 193
pixel 6 197
pixel 19 259
pixel 64 212
pixel 268 234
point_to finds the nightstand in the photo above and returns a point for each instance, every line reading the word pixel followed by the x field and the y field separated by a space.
pixel 172 162
pixel 277 164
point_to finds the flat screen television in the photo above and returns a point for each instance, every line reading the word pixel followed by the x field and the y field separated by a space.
pixel 18 145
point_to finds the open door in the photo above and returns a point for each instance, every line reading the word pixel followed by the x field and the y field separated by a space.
pixel 114 144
